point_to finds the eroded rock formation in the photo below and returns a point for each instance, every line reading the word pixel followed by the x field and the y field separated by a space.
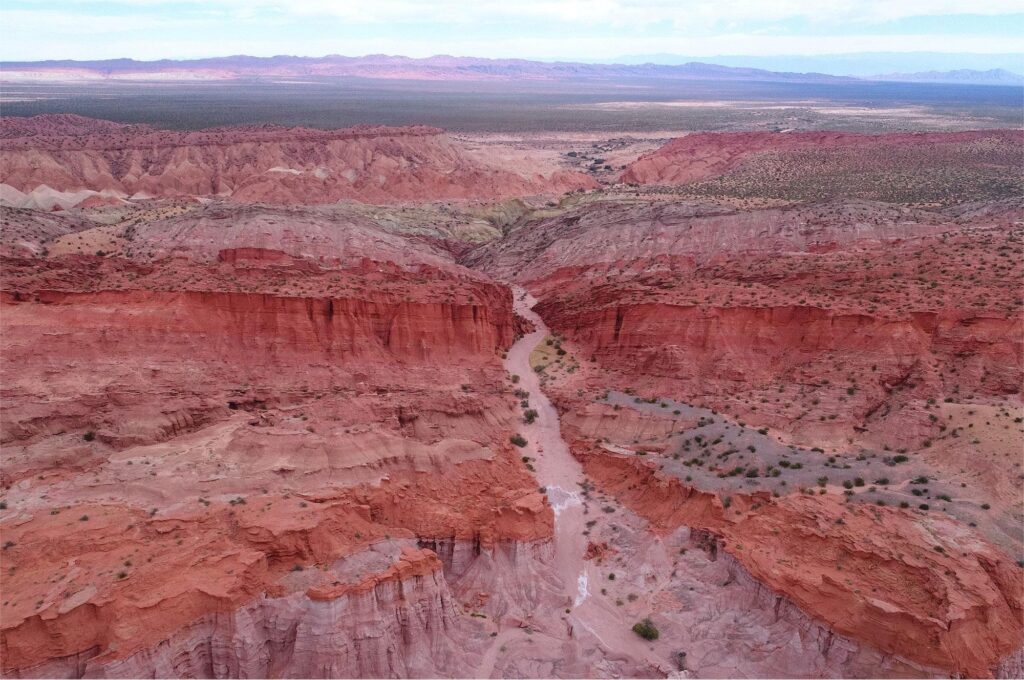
pixel 279 440
pixel 261 164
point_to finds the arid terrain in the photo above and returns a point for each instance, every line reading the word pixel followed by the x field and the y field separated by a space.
pixel 412 402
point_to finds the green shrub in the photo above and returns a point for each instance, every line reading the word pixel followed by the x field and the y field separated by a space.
pixel 518 440
pixel 646 630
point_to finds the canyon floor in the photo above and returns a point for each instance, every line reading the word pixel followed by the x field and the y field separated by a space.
pixel 405 402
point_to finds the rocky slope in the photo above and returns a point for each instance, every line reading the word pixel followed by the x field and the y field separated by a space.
pixel 729 307
pixel 226 457
pixel 698 156
pixel 62 155
pixel 26 232
pixel 821 338
pixel 925 591
pixel 904 167
pixel 292 441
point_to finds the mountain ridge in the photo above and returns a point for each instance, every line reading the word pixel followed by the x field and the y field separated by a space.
pixel 963 76
pixel 437 67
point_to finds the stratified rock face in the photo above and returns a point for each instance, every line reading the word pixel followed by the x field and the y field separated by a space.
pixel 245 449
pixel 204 489
pixel 258 164
pixel 335 329
pixel 859 307
pixel 840 325
pixel 214 341
pixel 756 348
pixel 400 622
pixel 929 591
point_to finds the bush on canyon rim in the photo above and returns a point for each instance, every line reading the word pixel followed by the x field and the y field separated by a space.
pixel 518 440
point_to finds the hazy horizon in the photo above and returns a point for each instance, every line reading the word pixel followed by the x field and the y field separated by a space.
pixel 568 30
pixel 854 64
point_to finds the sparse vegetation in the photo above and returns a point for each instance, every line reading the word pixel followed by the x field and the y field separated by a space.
pixel 646 629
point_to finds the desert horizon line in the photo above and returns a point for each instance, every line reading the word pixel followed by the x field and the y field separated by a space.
pixel 618 60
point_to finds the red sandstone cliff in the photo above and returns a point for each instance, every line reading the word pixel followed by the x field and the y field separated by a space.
pixel 234 463
pixel 930 592
pixel 262 164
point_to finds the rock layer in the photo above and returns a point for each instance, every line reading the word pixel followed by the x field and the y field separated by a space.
pixel 221 479
pixel 401 622
pixel 251 440
pixel 262 164
pixel 931 593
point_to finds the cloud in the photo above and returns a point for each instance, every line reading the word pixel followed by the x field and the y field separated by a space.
pixel 567 29
pixel 30 25
pixel 622 13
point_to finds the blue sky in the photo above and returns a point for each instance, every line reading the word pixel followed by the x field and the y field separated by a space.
pixel 590 30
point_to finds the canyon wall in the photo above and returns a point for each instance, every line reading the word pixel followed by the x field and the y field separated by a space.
pixel 835 330
pixel 332 329
pixel 211 478
pixel 876 576
pixel 756 346
pixel 399 623
pixel 260 164
pixel 196 347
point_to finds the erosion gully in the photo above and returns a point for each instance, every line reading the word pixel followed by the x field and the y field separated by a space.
pixel 591 619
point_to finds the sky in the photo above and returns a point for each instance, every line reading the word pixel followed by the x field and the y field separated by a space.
pixel 583 30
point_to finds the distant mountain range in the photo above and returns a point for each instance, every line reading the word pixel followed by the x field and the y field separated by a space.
pixel 384 66
pixel 856 64
pixel 445 68
pixel 996 76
